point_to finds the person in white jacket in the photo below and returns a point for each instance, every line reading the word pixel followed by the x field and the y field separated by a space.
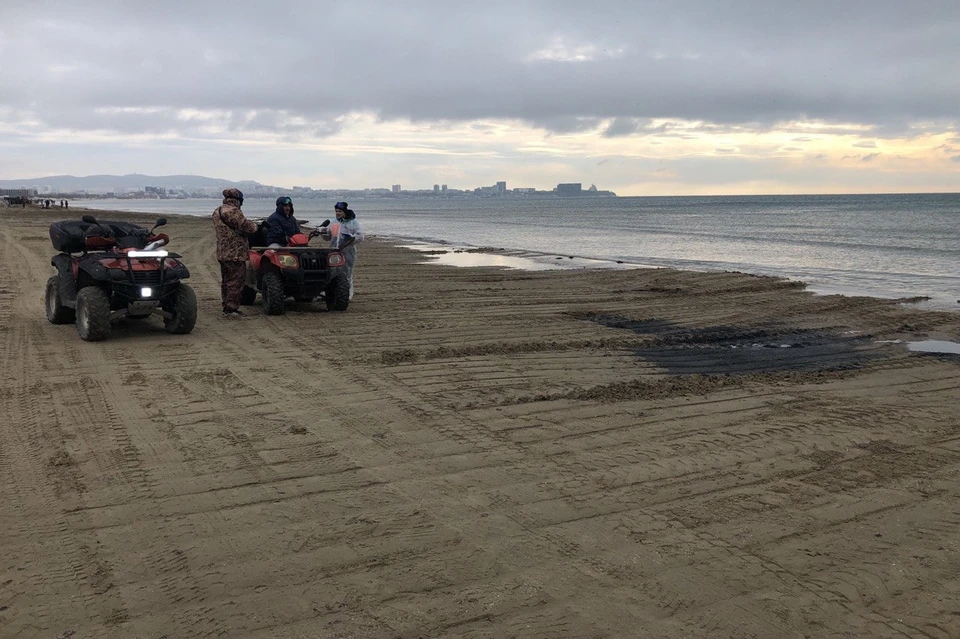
pixel 343 235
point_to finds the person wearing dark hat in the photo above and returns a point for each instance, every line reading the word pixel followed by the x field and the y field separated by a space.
pixel 343 236
pixel 233 247
pixel 281 224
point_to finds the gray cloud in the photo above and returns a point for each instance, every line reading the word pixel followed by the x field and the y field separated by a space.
pixel 296 66
pixel 870 144
pixel 567 124
pixel 623 126
pixel 870 157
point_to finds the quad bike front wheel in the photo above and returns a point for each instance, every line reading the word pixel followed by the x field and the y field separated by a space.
pixel 272 291
pixel 337 294
pixel 57 313
pixel 183 308
pixel 93 314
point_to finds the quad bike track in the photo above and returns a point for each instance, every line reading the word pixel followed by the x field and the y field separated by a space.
pixel 478 453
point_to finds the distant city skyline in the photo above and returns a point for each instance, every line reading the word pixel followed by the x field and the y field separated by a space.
pixel 197 185
pixel 643 98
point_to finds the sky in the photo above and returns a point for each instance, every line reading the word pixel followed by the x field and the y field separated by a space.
pixel 642 98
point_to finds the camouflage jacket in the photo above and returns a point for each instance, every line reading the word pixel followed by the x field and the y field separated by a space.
pixel 232 229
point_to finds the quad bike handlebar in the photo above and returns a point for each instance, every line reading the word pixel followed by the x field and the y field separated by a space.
pixel 156 241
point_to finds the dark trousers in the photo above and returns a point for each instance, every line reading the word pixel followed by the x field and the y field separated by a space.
pixel 232 275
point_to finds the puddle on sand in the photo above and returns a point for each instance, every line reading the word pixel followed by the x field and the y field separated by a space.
pixel 715 350
pixel 522 260
pixel 935 346
pixel 465 259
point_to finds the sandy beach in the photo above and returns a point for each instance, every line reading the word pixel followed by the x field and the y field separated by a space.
pixel 477 452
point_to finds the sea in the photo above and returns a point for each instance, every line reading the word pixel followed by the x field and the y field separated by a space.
pixel 891 246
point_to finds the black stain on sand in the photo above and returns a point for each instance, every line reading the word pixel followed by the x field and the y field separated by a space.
pixel 732 350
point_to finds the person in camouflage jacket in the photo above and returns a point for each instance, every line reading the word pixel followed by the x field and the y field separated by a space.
pixel 232 230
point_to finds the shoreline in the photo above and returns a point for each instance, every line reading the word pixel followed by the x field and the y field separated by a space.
pixel 896 286
pixel 456 254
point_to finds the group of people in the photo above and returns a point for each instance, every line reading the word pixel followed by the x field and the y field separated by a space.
pixel 23 200
pixel 233 231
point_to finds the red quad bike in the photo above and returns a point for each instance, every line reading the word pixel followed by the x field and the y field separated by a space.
pixel 110 270
pixel 298 270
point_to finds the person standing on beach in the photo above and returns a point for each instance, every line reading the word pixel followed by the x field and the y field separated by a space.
pixel 343 236
pixel 232 230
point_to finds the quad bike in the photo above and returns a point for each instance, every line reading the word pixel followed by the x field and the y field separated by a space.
pixel 298 270
pixel 110 270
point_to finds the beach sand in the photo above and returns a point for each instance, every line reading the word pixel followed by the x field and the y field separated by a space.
pixel 478 453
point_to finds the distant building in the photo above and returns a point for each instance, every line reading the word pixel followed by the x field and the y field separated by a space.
pixel 395 188
pixel 18 193
pixel 570 188
pixel 154 190
pixel 443 189
pixel 436 189
pixel 501 188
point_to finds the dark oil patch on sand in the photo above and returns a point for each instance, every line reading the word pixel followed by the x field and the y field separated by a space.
pixel 731 350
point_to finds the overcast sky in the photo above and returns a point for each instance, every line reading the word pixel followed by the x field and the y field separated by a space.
pixel 637 97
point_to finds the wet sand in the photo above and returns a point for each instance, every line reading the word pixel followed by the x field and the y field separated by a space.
pixel 478 453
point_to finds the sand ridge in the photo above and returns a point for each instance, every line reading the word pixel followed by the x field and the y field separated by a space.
pixel 478 453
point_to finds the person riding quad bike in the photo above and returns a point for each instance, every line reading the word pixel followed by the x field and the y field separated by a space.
pixel 281 225
pixel 297 270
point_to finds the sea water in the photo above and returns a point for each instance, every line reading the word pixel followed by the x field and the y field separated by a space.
pixel 893 246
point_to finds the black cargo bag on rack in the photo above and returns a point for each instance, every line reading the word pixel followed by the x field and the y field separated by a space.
pixel 71 236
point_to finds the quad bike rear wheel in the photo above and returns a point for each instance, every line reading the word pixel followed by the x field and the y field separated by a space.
pixel 57 313
pixel 337 294
pixel 93 314
pixel 183 307
pixel 272 291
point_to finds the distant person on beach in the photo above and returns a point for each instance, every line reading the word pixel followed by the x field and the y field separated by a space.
pixel 344 235
pixel 232 230
pixel 282 225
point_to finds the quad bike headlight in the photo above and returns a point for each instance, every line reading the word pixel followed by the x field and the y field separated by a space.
pixel 336 259
pixel 289 261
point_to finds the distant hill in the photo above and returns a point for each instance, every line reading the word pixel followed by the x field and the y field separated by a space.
pixel 102 183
